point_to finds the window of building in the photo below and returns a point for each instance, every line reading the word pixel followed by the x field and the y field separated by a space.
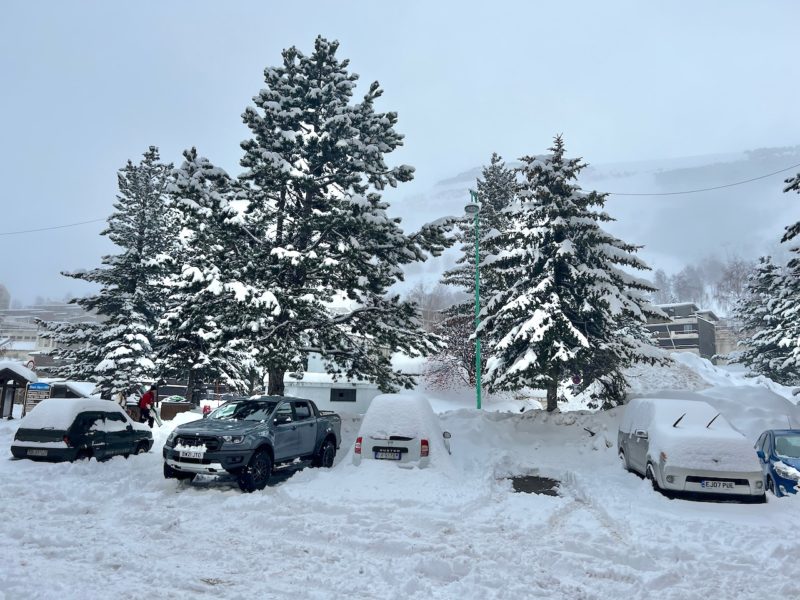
pixel 342 395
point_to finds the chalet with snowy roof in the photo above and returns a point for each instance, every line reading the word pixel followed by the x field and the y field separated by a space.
pixel 14 379
pixel 686 328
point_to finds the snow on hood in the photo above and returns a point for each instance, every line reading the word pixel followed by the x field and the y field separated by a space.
pixel 718 447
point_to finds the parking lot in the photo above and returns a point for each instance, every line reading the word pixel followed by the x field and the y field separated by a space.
pixel 119 529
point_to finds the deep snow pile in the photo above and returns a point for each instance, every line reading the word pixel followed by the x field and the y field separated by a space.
pixel 750 404
pixel 118 529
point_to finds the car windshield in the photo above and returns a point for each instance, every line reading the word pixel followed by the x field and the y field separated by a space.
pixel 250 410
pixel 788 445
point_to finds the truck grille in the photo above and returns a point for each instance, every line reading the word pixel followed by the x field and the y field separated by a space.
pixel 203 442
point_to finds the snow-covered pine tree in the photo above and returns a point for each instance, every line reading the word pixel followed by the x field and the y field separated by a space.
pixel 206 293
pixel 76 351
pixel 496 188
pixel 571 306
pixel 787 306
pixel 117 354
pixel 315 170
pixel 760 321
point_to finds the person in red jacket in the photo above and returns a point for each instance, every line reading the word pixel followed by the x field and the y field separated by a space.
pixel 145 404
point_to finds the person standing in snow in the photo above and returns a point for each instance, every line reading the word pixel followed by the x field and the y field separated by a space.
pixel 146 404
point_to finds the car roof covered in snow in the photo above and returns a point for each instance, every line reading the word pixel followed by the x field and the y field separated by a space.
pixel 59 413
pixel 407 414
pixel 643 413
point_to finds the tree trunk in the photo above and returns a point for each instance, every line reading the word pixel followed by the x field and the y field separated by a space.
pixel 276 387
pixel 190 387
pixel 552 389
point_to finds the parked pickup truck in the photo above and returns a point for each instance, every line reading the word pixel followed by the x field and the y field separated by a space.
pixel 249 438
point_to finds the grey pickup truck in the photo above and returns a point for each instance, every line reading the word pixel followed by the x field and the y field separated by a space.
pixel 250 438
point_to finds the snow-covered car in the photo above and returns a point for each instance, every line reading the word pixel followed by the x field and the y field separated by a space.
pixel 687 446
pixel 778 450
pixel 401 428
pixel 61 429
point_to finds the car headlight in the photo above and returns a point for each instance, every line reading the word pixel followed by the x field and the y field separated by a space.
pixel 233 439
pixel 171 438
pixel 787 472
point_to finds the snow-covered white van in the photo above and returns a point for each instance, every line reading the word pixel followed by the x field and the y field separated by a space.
pixel 687 446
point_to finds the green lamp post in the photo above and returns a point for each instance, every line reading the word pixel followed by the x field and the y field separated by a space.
pixel 474 208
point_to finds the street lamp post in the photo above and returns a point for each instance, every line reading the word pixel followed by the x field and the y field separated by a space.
pixel 474 208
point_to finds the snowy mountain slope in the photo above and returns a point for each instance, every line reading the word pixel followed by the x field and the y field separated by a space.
pixel 376 531
pixel 744 220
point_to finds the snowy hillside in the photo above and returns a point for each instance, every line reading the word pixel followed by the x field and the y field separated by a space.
pixel 676 230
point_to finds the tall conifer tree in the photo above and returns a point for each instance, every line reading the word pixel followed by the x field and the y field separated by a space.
pixel 326 248
pixel 570 306
pixel 117 354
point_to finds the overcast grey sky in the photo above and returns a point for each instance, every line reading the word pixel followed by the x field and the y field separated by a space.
pixel 87 85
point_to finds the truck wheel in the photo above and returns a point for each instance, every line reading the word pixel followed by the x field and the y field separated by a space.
pixel 324 458
pixel 256 475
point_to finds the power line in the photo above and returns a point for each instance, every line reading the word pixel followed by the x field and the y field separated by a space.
pixel 50 228
pixel 708 189
pixel 696 191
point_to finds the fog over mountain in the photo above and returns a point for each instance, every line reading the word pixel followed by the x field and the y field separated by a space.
pixel 744 220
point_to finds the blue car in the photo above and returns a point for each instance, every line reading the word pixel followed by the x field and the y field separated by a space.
pixel 779 453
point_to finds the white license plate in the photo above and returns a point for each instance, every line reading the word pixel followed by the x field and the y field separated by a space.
pixel 37 452
pixel 723 485
pixel 192 454
pixel 388 455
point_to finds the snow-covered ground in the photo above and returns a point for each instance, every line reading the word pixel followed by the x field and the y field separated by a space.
pixel 118 529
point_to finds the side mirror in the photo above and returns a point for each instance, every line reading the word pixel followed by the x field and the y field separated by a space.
pixel 129 427
pixel 641 434
pixel 446 435
pixel 761 455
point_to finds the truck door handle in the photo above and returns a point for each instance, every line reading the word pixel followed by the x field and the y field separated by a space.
pixel 294 427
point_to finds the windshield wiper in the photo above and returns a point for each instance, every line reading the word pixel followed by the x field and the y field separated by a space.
pixel 675 424
pixel 711 421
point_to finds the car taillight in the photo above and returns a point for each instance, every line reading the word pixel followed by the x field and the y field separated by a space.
pixel 358 445
pixel 424 448
pixel 66 440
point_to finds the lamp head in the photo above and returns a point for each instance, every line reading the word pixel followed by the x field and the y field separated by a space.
pixel 472 209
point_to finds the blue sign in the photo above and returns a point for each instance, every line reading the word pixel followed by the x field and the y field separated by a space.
pixel 39 386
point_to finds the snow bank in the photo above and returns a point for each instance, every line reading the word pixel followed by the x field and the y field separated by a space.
pixel 648 379
pixel 730 375
pixel 383 532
